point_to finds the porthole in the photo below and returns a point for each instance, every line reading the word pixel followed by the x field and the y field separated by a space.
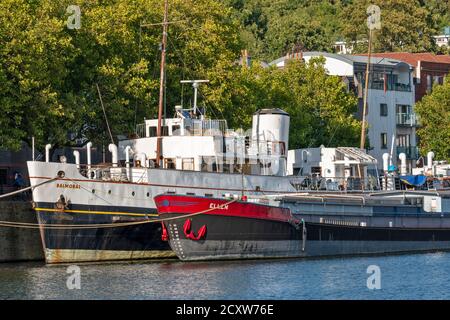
pixel 133 193
pixel 93 190
pixel 109 191
pixel 148 194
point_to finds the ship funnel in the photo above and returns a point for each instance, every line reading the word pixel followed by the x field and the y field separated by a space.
pixel 76 154
pixel 271 125
pixel 47 152
pixel 113 149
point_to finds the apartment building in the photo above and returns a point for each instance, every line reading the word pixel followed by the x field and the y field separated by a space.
pixel 391 98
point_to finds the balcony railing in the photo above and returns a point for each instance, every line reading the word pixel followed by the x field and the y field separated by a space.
pixel 406 119
pixel 379 85
pixel 411 152
pixel 402 87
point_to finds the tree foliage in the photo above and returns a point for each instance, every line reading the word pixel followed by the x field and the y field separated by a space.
pixel 405 26
pixel 48 73
pixel 434 112
pixel 319 105
pixel 269 29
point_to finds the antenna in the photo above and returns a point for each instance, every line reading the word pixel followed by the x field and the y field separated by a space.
pixel 195 85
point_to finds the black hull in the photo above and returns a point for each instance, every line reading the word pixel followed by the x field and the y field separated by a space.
pixel 244 238
pixel 235 238
pixel 142 241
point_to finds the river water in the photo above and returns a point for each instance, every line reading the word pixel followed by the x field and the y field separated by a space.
pixel 412 276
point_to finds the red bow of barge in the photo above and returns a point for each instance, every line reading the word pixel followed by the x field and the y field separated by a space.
pixel 201 228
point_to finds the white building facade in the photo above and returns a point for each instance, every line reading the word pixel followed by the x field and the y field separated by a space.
pixel 391 97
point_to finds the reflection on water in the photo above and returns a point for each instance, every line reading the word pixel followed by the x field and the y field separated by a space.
pixel 418 276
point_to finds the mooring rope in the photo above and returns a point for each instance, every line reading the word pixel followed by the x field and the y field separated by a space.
pixel 26 189
pixel 27 225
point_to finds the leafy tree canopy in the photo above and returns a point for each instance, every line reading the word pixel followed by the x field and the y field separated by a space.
pixel 405 26
pixel 48 73
pixel 434 112
pixel 319 105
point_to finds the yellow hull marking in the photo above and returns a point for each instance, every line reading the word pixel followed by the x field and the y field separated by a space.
pixel 99 212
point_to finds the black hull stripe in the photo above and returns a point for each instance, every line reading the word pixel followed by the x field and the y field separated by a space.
pixel 140 237
pixel 238 228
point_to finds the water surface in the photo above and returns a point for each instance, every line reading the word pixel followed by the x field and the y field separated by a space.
pixel 413 276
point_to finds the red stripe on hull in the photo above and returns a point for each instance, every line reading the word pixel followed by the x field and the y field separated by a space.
pixel 179 204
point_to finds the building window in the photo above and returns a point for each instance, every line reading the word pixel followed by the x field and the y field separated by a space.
pixel 188 164
pixel 169 163
pixel 176 130
pixel 384 140
pixel 403 109
pixel 403 140
pixel 383 110
pixel 429 83
pixel 152 131
pixel 164 131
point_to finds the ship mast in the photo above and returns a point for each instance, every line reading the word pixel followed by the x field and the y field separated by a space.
pixel 159 157
pixel 373 23
pixel 366 89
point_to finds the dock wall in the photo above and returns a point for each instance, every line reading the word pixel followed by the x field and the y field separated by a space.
pixel 19 244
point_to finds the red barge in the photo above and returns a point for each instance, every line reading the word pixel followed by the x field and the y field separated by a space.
pixel 201 228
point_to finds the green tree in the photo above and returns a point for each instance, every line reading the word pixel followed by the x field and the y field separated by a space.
pixel 34 54
pixel 48 73
pixel 269 29
pixel 405 26
pixel 434 112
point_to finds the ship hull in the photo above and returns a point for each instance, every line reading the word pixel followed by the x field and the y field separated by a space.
pixel 240 230
pixel 77 244
pixel 95 201
pixel 240 234
pixel 338 240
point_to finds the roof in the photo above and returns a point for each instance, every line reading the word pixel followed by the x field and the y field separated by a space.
pixel 350 59
pixel 413 58
pixel 357 154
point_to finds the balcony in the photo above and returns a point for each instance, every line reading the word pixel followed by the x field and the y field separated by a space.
pixel 402 87
pixel 412 152
pixel 379 85
pixel 406 119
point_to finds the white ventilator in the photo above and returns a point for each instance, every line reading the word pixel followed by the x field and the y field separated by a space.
pixel 47 152
pixel 115 156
